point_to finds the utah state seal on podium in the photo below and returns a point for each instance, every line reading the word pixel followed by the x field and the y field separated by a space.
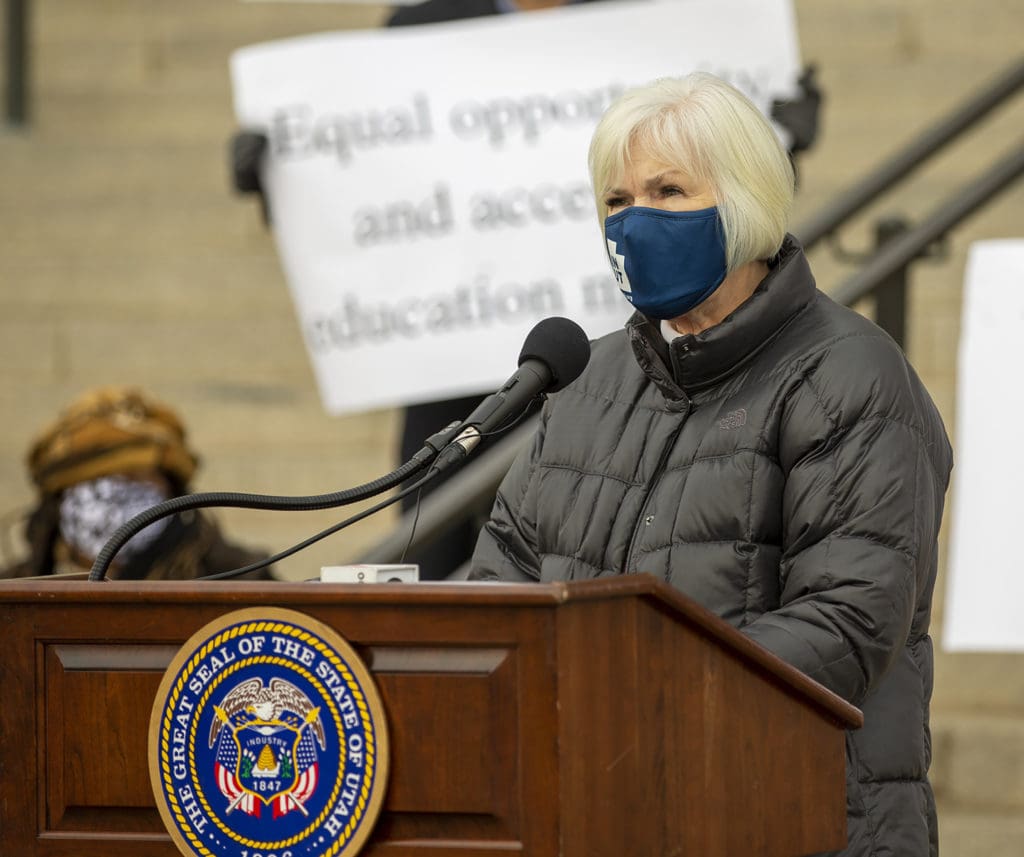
pixel 268 739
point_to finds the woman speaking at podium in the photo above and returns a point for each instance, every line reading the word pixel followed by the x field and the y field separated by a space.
pixel 767 452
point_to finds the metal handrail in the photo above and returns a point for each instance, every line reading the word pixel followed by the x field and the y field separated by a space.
pixel 911 156
pixel 463 493
pixel 910 245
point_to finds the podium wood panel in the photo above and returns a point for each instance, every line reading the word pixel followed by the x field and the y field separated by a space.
pixel 604 718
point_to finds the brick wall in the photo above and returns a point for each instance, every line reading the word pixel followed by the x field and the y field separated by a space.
pixel 125 258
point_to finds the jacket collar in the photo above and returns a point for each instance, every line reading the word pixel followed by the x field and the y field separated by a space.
pixel 692 362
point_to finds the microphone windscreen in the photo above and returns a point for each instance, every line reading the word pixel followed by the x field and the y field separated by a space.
pixel 561 345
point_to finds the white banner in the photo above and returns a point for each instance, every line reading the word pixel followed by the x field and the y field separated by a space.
pixel 428 185
pixel 985 586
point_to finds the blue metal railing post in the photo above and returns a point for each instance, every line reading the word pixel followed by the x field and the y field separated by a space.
pixel 907 160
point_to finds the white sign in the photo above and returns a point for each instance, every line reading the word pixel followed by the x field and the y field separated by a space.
pixel 428 185
pixel 985 588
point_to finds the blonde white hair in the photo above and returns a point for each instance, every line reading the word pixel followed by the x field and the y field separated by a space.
pixel 709 129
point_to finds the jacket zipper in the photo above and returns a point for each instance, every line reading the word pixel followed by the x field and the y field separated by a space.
pixel 655 479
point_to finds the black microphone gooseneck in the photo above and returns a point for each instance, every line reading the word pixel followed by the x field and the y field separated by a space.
pixel 329 531
pixel 228 499
pixel 554 354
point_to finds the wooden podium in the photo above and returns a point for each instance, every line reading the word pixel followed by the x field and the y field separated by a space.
pixel 613 718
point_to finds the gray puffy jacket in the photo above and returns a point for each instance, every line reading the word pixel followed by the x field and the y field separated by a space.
pixel 786 469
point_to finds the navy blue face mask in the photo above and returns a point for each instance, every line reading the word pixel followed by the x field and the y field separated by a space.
pixel 666 262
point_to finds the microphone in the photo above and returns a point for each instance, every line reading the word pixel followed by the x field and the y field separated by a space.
pixel 554 354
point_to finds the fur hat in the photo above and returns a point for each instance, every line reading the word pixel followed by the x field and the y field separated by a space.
pixel 110 430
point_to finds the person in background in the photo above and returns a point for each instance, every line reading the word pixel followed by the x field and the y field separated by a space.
pixel 767 452
pixel 442 557
pixel 112 453
pixel 445 555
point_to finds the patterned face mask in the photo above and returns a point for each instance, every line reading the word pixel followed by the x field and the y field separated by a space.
pixel 91 511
